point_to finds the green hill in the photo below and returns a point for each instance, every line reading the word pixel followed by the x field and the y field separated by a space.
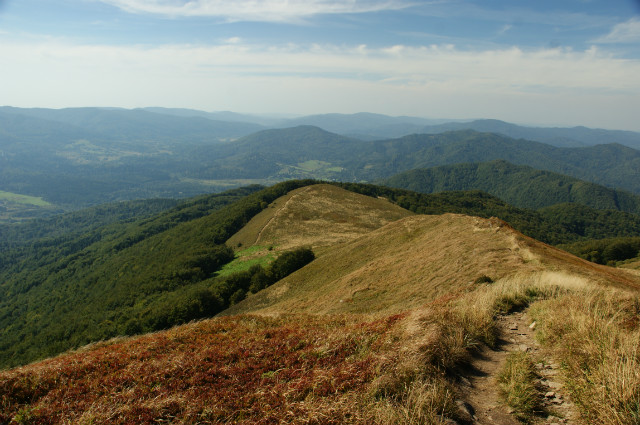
pixel 120 278
pixel 519 185
pixel 283 154
pixel 81 157
pixel 62 289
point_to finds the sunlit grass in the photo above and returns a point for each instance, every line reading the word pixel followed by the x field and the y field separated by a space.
pixel 23 199
pixel 518 385
pixel 246 258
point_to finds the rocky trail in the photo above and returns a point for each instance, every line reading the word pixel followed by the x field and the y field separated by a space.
pixel 483 404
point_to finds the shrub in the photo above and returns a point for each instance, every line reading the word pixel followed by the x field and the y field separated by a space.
pixel 483 279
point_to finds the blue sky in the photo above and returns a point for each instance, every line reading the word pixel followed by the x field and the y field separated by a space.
pixel 565 62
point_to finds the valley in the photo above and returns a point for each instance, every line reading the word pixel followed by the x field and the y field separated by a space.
pixel 79 157
pixel 262 278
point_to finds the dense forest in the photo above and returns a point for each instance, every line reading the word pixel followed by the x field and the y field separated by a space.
pixel 62 160
pixel 605 251
pixel 62 292
pixel 519 185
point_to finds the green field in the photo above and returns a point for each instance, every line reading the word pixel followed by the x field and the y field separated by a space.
pixel 246 258
pixel 23 199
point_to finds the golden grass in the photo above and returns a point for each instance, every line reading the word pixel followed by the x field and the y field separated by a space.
pixel 518 385
pixel 596 335
pixel 318 216
pixel 400 266
pixel 377 260
pixel 593 331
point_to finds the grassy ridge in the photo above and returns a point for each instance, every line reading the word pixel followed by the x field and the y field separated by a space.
pixel 562 223
pixel 66 290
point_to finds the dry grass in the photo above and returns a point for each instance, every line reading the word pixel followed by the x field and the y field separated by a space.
pixel 593 331
pixel 250 370
pixel 422 313
pixel 400 266
pixel 518 385
pixel 596 335
pixel 317 216
pixel 337 369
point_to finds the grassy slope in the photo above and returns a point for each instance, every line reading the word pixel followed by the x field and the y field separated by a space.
pixel 413 261
pixel 354 368
pixel 319 216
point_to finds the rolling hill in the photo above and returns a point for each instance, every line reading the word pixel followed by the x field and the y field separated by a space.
pixel 519 185
pixel 557 136
pixel 381 327
pixel 308 152
pixel 61 160
pixel 420 251
pixel 102 272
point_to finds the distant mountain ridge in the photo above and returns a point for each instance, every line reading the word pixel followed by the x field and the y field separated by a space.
pixel 370 126
pixel 519 185
pixel 346 159
pixel 78 157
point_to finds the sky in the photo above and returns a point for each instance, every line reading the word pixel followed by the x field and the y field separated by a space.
pixel 535 62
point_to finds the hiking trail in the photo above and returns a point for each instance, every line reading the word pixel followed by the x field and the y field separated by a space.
pixel 483 404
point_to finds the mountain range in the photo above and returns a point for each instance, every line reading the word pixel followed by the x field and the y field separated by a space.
pixel 59 160
pixel 519 185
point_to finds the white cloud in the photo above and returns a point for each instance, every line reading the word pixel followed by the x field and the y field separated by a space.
pixel 505 28
pixel 254 10
pixel 547 85
pixel 626 32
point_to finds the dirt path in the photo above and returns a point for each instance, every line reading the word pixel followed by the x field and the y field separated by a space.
pixel 278 213
pixel 481 392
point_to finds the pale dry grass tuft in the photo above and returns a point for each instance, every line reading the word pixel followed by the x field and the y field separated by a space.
pixel 596 335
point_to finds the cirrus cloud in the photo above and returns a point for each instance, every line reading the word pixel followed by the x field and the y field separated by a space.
pixel 255 10
pixel 625 32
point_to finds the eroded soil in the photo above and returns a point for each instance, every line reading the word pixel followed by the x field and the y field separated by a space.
pixel 483 403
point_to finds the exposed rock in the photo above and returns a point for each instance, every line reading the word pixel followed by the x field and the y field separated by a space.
pixel 467 411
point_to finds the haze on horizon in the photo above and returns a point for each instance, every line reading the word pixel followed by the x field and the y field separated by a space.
pixel 569 62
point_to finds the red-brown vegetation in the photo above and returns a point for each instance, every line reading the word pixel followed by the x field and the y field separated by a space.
pixel 258 370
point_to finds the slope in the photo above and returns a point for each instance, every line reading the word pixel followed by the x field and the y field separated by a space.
pixel 310 152
pixel 319 216
pixel 413 312
pixel 519 185
pixel 413 261
pixel 120 278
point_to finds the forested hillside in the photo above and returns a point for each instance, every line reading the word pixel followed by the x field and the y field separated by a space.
pixel 310 151
pixel 61 160
pixel 557 136
pixel 63 289
pixel 124 277
pixel 519 185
